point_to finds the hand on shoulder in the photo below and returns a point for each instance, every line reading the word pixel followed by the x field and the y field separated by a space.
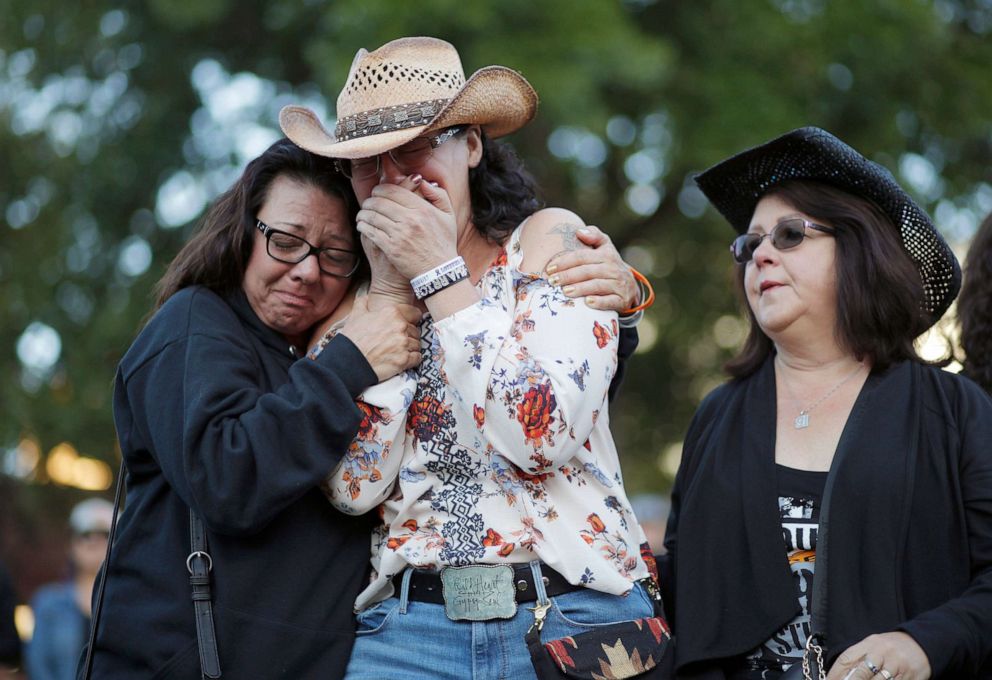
pixel 547 233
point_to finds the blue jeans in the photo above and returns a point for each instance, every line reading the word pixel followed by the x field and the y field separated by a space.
pixel 405 640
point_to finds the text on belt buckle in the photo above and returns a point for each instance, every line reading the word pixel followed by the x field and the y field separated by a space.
pixel 478 592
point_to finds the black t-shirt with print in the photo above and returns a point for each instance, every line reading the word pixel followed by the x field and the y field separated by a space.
pixel 799 496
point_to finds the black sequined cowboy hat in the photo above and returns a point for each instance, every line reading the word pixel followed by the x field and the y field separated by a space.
pixel 734 186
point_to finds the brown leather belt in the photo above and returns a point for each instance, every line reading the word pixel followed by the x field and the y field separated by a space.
pixel 425 586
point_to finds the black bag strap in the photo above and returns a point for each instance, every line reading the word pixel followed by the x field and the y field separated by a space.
pixel 200 564
pixel 811 666
pixel 98 604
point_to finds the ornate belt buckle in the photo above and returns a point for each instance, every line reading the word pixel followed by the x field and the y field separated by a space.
pixel 478 592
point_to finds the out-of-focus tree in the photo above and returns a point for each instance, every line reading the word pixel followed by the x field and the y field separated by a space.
pixel 119 123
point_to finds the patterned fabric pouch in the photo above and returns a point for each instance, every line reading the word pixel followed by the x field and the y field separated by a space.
pixel 641 648
pixel 629 649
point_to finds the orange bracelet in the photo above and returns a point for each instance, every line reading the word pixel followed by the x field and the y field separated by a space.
pixel 640 278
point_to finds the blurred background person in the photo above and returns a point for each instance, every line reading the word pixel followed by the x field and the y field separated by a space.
pixel 975 308
pixel 651 510
pixel 62 610
pixel 10 642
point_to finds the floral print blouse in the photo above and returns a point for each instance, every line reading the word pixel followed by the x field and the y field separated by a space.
pixel 496 448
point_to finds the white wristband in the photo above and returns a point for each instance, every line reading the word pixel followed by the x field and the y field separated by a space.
pixel 440 270
pixel 439 278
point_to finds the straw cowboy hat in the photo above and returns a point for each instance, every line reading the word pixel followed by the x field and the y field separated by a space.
pixel 735 185
pixel 407 88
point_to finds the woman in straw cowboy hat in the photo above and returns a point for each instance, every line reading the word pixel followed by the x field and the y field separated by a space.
pixel 492 465
pixel 872 465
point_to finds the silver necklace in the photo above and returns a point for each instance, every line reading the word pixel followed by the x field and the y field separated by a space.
pixel 802 420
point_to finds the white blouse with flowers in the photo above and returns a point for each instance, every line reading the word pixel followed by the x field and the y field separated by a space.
pixel 497 448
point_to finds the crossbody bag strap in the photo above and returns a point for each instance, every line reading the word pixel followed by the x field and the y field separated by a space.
pixel 200 564
pixel 98 604
pixel 813 661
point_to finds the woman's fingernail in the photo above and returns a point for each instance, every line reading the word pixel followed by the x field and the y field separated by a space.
pixel 591 301
pixel 583 230
pixel 551 268
pixel 554 279
pixel 417 179
pixel 568 290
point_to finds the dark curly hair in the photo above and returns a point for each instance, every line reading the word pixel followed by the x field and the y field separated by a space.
pixel 879 288
pixel 217 254
pixel 975 308
pixel 503 193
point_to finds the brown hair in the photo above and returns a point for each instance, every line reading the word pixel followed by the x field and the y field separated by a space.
pixel 879 289
pixel 975 308
pixel 217 254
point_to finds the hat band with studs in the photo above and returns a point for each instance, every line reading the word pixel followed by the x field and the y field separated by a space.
pixel 387 119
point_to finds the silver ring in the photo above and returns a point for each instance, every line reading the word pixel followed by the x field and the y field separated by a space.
pixel 870 666
pixel 885 674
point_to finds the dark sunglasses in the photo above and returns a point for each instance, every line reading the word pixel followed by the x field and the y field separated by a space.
pixel 785 235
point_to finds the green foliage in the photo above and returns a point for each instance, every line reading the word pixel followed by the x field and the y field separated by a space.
pixel 557 45
pixel 100 107
pixel 182 14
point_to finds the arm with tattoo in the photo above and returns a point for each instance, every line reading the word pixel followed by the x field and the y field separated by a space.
pixel 569 236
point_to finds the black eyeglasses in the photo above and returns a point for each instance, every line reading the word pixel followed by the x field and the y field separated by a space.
pixel 787 234
pixel 292 249
pixel 407 158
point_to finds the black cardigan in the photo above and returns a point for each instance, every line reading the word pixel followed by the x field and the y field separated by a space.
pixel 907 512
pixel 213 411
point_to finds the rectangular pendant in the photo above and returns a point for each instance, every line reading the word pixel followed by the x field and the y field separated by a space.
pixel 801 421
pixel 479 592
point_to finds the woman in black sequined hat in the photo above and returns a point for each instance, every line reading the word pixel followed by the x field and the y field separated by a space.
pixel 833 508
